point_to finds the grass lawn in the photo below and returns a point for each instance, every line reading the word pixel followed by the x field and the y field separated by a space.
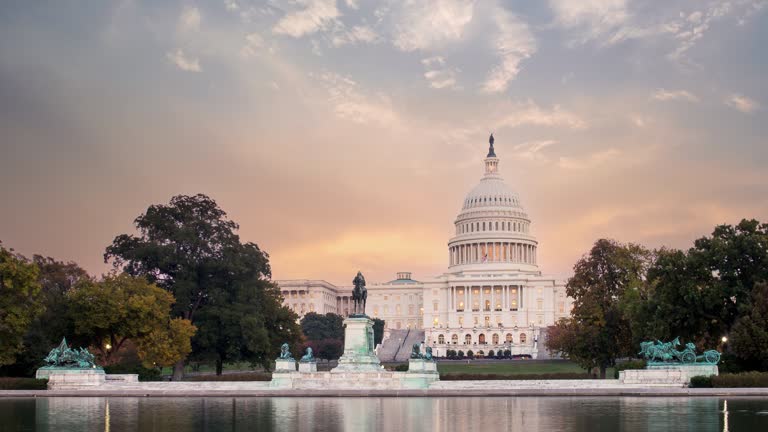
pixel 512 367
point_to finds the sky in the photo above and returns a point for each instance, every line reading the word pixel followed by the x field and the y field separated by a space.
pixel 343 135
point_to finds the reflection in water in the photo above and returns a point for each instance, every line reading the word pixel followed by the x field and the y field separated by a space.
pixel 382 414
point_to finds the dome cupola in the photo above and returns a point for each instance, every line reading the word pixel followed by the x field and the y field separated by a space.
pixel 492 228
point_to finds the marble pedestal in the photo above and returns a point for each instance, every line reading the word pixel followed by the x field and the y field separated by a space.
pixel 285 365
pixel 358 347
pixel 71 379
pixel 666 374
pixel 421 373
pixel 307 367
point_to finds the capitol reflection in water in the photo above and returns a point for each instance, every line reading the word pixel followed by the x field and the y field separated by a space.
pixel 383 414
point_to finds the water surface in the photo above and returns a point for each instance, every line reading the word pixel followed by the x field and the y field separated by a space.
pixel 385 414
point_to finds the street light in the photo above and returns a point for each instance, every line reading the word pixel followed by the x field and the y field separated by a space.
pixel 724 339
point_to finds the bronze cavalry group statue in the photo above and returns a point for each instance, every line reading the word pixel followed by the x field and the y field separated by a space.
pixel 667 352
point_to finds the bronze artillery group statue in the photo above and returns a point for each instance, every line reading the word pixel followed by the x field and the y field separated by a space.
pixel 667 352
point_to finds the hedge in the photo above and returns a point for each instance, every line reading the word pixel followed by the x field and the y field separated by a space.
pixel 7 383
pixel 253 376
pixel 488 377
pixel 744 379
pixel 631 364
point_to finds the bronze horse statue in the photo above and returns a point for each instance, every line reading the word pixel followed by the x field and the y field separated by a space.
pixel 359 295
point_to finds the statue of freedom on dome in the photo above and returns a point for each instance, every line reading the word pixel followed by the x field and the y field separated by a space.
pixel 491 152
pixel 359 295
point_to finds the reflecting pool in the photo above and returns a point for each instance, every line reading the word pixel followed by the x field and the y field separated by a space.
pixel 384 414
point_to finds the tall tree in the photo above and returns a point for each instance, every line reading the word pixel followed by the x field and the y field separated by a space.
pixel 598 332
pixel 122 307
pixel 749 335
pixel 190 248
pixel 20 302
pixel 318 327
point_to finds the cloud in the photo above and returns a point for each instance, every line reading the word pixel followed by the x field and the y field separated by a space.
pixel 253 43
pixel 529 113
pixel 351 103
pixel 514 43
pixel 532 150
pixel 357 34
pixel 590 161
pixel 437 74
pixel 673 95
pixel 742 103
pixel 183 62
pixel 189 20
pixel 593 18
pixel 425 25
pixel 315 16
pixel 352 4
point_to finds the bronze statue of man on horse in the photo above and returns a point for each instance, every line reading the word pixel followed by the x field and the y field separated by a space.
pixel 359 295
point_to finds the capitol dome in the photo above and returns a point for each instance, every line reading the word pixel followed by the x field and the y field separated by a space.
pixel 492 228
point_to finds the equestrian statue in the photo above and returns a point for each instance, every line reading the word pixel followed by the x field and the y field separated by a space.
pixel 359 295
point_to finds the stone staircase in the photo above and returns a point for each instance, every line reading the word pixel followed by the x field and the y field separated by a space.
pixel 397 347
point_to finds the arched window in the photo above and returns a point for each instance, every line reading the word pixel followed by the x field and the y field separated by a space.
pixel 509 338
pixel 441 339
pixel 487 305
pixel 522 338
pixel 468 339
pixel 481 338
pixel 495 339
pixel 497 226
pixel 483 226
pixel 455 339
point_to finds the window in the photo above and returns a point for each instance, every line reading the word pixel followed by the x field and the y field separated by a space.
pixel 522 338
pixel 398 325
pixel 495 339
pixel 311 307
pixel 397 309
pixel 435 321
pixel 434 306
pixel 468 339
pixel 375 311
pixel 539 304
pixel 477 321
pixel 386 297
pixel 441 339
pixel 410 309
pixel 483 226
pixel 455 339
pixel 476 306
pixel 487 321
pixel 386 309
pixel 497 226
pixel 461 321
pixel 509 337
pixel 461 307
pixel 487 305
pixel 481 338
pixel 561 307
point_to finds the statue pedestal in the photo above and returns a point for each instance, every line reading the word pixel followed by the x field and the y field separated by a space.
pixel 358 347
pixel 71 379
pixel 285 365
pixel 660 374
pixel 422 366
pixel 307 367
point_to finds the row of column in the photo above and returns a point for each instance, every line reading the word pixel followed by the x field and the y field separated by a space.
pixel 509 300
pixel 492 252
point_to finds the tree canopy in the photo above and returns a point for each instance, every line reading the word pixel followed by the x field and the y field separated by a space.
pixel 20 302
pixel 191 249
pixel 122 307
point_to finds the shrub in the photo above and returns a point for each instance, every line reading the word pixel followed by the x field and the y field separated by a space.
pixel 401 367
pixel 701 382
pixel 470 354
pixel 630 364
pixel 488 377
pixel 247 376
pixel 507 353
pixel 23 384
pixel 460 354
pixel 491 353
pixel 145 374
pixel 744 379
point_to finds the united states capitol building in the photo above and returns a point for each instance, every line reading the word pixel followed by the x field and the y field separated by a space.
pixel 492 297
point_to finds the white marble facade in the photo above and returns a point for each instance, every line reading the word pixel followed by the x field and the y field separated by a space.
pixel 492 297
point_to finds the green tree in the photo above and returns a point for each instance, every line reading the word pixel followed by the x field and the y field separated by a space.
pixel 318 327
pixel 191 249
pixel 120 308
pixel 598 332
pixel 378 331
pixel 20 302
pixel 56 278
pixel 165 345
pixel 749 336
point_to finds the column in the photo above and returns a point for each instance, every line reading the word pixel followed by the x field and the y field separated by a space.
pixel 519 297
